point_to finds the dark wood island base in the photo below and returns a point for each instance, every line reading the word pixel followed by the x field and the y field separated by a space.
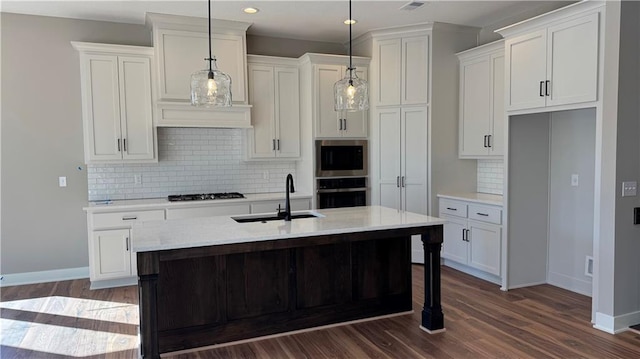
pixel 196 297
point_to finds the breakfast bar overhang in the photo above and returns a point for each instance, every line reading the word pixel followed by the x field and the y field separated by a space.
pixel 207 281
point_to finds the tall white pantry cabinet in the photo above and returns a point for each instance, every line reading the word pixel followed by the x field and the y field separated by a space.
pixel 402 101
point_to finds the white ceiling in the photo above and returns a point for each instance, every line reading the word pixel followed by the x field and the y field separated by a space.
pixel 300 19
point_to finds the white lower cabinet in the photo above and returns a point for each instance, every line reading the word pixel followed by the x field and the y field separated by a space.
pixel 472 238
pixel 111 259
pixel 208 211
pixel 111 254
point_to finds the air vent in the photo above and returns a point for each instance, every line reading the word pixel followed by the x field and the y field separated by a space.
pixel 412 5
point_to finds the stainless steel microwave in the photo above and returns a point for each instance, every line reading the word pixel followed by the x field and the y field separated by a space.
pixel 340 158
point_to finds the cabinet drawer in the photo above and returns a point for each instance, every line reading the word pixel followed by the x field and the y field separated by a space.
pixel 485 214
pixel 453 208
pixel 124 219
pixel 220 210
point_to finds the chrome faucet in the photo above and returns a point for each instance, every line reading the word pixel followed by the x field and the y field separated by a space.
pixel 287 205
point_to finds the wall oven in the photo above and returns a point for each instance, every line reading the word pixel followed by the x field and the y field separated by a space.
pixel 341 158
pixel 342 192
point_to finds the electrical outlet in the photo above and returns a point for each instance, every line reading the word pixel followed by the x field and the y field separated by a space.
pixel 629 189
pixel 588 266
pixel 62 181
pixel 137 179
pixel 265 175
pixel 575 178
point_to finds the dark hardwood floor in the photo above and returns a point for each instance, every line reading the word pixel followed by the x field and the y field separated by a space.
pixel 66 319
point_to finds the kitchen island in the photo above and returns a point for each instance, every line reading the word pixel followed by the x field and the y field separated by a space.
pixel 206 281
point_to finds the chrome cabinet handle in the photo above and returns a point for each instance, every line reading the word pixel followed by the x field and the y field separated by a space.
pixel 124 145
pixel 127 244
pixel 273 141
pixel 398 181
pixel 452 209
pixel 464 235
pixel 489 141
pixel 278 142
pixel 467 234
pixel 402 182
pixel 345 123
pixel 482 214
pixel 340 120
pixel 129 218
pixel 541 89
pixel 118 145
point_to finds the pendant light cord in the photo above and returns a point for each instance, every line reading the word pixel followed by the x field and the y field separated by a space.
pixel 210 57
pixel 350 60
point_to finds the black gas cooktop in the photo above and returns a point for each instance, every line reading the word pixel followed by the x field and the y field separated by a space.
pixel 204 196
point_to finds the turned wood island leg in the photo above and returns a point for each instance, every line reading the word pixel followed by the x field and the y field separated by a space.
pixel 432 316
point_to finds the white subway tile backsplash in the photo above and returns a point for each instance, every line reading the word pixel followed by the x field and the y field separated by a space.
pixel 191 160
pixel 490 176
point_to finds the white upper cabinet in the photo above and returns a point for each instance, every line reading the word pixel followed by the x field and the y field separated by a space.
pixel 552 60
pixel 403 72
pixel 482 101
pixel 274 95
pixel 324 72
pixel 181 44
pixel 117 103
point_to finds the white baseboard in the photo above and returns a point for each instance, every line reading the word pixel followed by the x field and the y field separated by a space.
pixel 112 283
pixel 524 285
pixel 617 324
pixel 472 271
pixel 570 283
pixel 44 276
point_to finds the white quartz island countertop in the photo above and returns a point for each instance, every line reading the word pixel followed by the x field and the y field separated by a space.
pixel 219 230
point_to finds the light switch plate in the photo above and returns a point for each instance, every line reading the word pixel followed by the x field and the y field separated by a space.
pixel 575 178
pixel 629 189
pixel 62 181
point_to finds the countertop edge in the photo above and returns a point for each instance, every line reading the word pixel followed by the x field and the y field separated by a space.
pixel 475 197
pixel 163 203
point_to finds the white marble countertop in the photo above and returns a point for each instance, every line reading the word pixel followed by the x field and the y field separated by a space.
pixel 476 197
pixel 163 203
pixel 199 232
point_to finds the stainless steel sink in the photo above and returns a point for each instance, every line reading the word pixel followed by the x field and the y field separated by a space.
pixel 266 217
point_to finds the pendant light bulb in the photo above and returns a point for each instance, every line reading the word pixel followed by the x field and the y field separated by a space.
pixel 210 87
pixel 351 93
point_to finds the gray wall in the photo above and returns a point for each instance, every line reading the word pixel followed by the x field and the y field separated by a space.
pixel 573 135
pixel 43 226
pixel 627 243
pixel 528 194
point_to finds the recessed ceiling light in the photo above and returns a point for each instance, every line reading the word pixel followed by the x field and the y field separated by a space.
pixel 250 10
pixel 350 21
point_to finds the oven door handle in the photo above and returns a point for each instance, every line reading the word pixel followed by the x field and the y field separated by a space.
pixel 337 190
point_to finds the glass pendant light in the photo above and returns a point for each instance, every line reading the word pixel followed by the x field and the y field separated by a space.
pixel 210 87
pixel 351 93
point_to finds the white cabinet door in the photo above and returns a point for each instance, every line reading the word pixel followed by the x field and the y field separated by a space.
pixel 454 247
pixel 496 141
pixel 287 112
pixel 415 66
pixel 525 57
pixel 414 157
pixel 101 99
pixel 485 247
pixel 136 116
pixel 475 106
pixel 572 61
pixel 181 53
pixel 355 124
pixel 327 119
pixel 262 98
pixel 389 74
pixel 111 254
pixel 389 157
